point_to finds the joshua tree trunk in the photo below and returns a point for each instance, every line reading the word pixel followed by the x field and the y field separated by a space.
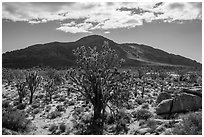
pixel 143 90
pixel 20 100
pixel 50 99
pixel 98 115
pixel 98 123
pixel 31 97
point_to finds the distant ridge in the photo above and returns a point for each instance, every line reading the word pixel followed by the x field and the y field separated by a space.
pixel 59 54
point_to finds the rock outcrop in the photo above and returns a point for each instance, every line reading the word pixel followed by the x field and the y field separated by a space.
pixel 182 103
pixel 163 96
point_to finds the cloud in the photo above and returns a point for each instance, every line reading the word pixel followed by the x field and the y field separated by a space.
pixel 86 17
pixel 75 28
pixel 107 32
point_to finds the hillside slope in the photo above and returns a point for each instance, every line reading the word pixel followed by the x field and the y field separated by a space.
pixel 58 54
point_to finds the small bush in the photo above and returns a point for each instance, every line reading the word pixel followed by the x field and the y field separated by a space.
pixel 54 114
pixel 142 114
pixel 191 125
pixel 60 108
pixel 129 105
pixel 15 120
pixel 110 119
pixel 140 101
pixel 123 115
pixel 67 131
pixel 36 111
pixel 5 104
pixel 47 108
pixel 62 127
pixel 145 106
pixel 61 99
pixel 78 111
pixel 71 103
pixel 35 105
pixel 152 124
pixel 53 128
pixel 121 127
pixel 21 106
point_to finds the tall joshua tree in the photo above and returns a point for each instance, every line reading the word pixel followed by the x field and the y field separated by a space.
pixel 33 81
pixel 50 89
pixel 21 88
pixel 99 81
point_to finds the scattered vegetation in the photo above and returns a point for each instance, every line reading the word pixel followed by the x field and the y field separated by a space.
pixel 142 114
pixel 33 81
pixel 15 120
pixel 98 96
pixel 54 114
pixel 191 125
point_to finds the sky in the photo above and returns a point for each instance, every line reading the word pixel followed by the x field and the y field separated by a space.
pixel 173 27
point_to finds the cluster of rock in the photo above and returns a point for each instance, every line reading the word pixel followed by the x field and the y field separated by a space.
pixel 186 100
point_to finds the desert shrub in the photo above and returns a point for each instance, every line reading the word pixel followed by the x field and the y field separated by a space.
pixel 140 101
pixel 15 120
pixel 193 78
pixel 54 114
pixel 152 124
pixel 35 105
pixel 120 120
pixel 122 114
pixel 142 114
pixel 62 127
pixel 54 75
pixel 36 111
pixel 60 108
pixel 6 104
pixel 40 96
pixel 145 106
pixel 61 99
pixel 78 111
pixel 47 108
pixel 21 106
pixel 67 131
pixel 82 125
pixel 121 127
pixel 191 125
pixel 110 119
pixel 9 132
pixel 129 105
pixel 53 128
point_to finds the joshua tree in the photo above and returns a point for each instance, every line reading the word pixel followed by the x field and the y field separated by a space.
pixel 50 89
pixel 33 81
pixel 99 81
pixel 54 81
pixel 143 90
pixel 21 88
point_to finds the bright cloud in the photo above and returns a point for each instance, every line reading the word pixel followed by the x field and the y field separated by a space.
pixel 103 16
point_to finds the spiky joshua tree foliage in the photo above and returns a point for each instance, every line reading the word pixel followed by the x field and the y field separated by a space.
pixel 21 88
pixel 33 81
pixel 99 81
pixel 50 89
pixel 54 80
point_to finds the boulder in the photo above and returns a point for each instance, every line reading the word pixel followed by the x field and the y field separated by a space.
pixel 194 91
pixel 186 102
pixel 181 103
pixel 163 96
pixel 142 131
pixel 8 132
pixel 164 107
